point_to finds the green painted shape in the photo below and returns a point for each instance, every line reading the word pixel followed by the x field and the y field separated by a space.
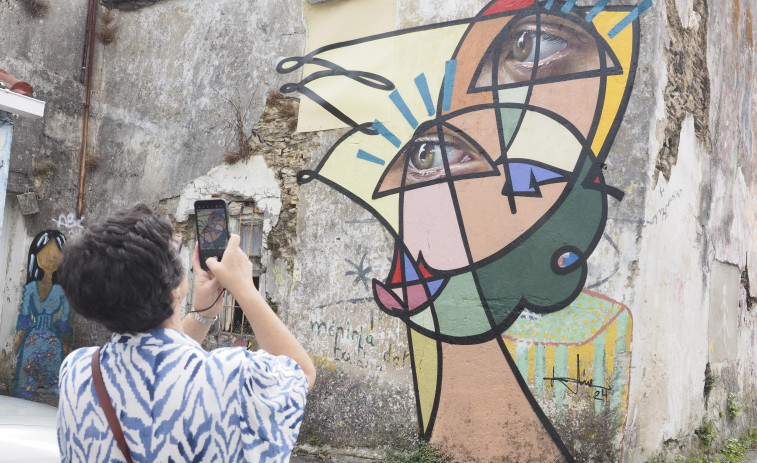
pixel 458 308
pixel 521 358
pixel 540 369
pixel 513 95
pixel 561 371
pixel 620 348
pixel 526 273
pixel 599 368
pixel 584 316
pixel 510 118
pixel 424 319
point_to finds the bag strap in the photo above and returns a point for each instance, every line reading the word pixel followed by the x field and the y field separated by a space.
pixel 107 406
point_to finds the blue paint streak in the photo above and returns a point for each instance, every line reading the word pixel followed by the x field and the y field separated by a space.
pixel 568 6
pixel 386 133
pixel 422 85
pixel 433 286
pixel 449 82
pixel 631 17
pixel 369 157
pixel 596 10
pixel 6 135
pixel 410 273
pixel 549 4
pixel 400 104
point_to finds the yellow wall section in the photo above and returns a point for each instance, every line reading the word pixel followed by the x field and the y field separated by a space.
pixel 426 368
pixel 623 46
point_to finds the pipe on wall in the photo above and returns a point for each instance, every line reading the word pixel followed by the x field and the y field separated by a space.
pixel 87 65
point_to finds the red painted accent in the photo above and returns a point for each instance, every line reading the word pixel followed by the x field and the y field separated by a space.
pixel 596 180
pixel 424 272
pixel 16 85
pixel 507 5
pixel 397 274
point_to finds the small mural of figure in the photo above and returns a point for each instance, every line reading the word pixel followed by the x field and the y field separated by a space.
pixel 43 321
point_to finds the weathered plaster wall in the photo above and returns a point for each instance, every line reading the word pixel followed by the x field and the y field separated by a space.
pixel 183 78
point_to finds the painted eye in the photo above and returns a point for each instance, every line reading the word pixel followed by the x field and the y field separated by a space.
pixel 567 259
pixel 524 47
pixel 426 155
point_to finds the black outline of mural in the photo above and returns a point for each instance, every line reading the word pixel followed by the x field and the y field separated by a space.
pixel 587 165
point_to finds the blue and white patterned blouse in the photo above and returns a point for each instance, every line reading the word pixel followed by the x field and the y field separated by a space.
pixel 177 402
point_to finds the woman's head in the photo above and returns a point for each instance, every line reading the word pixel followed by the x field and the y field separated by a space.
pixel 44 254
pixel 121 271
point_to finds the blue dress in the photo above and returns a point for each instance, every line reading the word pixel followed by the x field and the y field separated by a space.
pixel 41 351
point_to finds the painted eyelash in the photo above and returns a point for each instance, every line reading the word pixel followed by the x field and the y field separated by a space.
pixel 435 140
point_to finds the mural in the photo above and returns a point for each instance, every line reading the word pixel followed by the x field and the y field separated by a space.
pixel 487 169
pixel 43 322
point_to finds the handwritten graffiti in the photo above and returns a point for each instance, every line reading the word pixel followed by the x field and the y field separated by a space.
pixel 489 175
pixel 70 223
pixel 599 392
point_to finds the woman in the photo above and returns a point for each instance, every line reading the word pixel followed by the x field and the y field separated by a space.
pixel 43 318
pixel 173 400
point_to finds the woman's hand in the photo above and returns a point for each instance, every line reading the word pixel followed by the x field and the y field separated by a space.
pixel 234 271
pixel 206 289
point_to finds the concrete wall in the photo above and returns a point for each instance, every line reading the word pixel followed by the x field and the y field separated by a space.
pixel 558 293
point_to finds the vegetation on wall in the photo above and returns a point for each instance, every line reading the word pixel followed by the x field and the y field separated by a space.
pixel 43 170
pixel 35 7
pixel 243 139
pixel 106 29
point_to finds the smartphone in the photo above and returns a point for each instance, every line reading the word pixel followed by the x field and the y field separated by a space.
pixel 212 228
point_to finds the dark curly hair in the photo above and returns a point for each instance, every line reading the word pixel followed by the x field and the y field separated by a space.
pixel 120 272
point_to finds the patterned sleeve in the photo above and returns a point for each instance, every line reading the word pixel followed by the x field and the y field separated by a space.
pixel 274 390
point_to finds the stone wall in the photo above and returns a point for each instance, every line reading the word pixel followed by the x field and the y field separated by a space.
pixel 560 259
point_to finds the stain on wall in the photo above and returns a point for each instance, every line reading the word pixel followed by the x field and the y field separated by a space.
pixel 43 322
pixel 489 176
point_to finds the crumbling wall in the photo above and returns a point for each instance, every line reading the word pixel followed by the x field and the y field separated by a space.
pixel 188 102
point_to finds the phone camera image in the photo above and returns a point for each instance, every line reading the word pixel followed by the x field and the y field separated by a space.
pixel 211 227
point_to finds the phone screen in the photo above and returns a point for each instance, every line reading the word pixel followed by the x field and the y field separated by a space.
pixel 211 229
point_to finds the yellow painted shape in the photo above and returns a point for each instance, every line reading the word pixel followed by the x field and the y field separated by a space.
pixel 531 363
pixel 549 363
pixel 543 139
pixel 426 364
pixel 610 337
pixel 334 22
pixel 360 177
pixel 399 58
pixel 510 345
pixel 623 47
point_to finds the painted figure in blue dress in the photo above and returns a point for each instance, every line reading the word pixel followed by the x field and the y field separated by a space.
pixel 43 321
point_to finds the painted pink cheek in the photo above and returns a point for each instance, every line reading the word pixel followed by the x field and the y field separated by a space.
pixel 430 227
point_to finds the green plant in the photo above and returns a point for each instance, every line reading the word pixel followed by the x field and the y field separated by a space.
pixel 315 441
pixel 43 170
pixel 734 451
pixel 733 406
pixel 706 432
pixel 709 381
pixel 423 453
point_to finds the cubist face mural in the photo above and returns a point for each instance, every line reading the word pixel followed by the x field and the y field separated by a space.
pixel 489 175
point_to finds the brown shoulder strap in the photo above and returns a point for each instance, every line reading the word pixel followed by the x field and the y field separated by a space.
pixel 105 403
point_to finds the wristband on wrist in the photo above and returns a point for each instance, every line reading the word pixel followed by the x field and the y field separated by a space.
pixel 203 320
